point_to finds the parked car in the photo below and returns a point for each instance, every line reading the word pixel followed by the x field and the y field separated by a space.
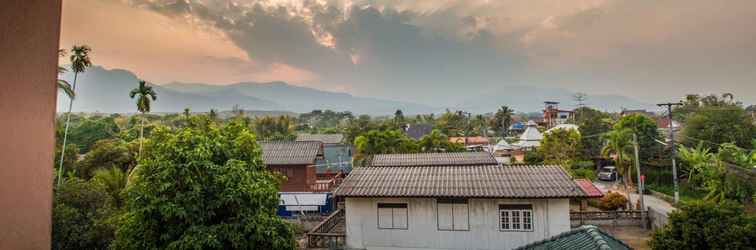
pixel 608 173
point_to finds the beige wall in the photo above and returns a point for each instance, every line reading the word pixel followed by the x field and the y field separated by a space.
pixel 29 35
pixel 550 217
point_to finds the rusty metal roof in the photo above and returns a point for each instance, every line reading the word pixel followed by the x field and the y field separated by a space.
pixel 588 188
pixel 290 152
pixel 482 181
pixel 324 138
pixel 434 159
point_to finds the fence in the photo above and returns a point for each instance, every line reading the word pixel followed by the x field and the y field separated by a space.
pixel 631 217
pixel 324 235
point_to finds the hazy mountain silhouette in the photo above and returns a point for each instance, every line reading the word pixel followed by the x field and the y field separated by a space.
pixel 103 90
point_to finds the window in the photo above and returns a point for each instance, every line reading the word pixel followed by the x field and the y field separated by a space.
pixel 516 217
pixel 452 214
pixel 392 215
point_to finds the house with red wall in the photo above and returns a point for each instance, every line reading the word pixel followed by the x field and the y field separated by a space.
pixel 296 160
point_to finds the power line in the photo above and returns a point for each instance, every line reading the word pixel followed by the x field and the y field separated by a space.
pixel 672 142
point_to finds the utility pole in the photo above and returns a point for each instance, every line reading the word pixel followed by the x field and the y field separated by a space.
pixel 640 180
pixel 467 128
pixel 672 144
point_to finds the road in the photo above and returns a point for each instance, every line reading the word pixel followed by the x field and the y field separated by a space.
pixel 657 204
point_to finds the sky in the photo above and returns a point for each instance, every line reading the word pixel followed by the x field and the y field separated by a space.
pixel 430 51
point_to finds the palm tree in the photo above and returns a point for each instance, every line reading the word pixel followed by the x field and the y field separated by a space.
pixel 143 93
pixel 79 63
pixel 63 85
pixel 619 144
pixel 113 180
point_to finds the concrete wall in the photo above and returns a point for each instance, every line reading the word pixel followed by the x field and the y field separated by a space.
pixel 29 35
pixel 550 217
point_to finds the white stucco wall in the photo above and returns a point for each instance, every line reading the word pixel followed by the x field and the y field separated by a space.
pixel 550 217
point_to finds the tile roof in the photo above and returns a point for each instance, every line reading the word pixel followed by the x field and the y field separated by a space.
pixel 587 237
pixel 324 138
pixel 433 159
pixel 290 153
pixel 483 181
pixel 588 188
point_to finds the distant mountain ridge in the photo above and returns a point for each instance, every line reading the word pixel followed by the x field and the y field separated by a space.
pixel 104 90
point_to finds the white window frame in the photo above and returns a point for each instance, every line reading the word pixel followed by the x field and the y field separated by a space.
pixel 395 208
pixel 514 215
pixel 454 225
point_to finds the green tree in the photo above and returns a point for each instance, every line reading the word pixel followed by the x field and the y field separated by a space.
pixel 591 123
pixel 63 85
pixel 702 225
pixel 561 147
pixel 399 118
pixel 270 128
pixel 143 93
pixel 718 125
pixel 80 61
pixel 81 216
pixel 112 181
pixel 105 154
pixel 88 130
pixel 618 147
pixel 436 141
pixel 203 188
pixel 647 131
pixel 70 162
pixel 502 120
pixel 383 142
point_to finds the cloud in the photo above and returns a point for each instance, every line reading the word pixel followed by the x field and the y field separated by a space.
pixel 427 50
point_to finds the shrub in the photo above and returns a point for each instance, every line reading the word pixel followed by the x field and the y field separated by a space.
pixel 80 217
pixel 613 201
pixel 583 173
pixel 705 225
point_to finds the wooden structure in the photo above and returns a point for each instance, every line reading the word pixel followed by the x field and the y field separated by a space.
pixel 328 233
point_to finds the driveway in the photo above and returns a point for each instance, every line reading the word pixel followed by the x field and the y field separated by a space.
pixel 657 204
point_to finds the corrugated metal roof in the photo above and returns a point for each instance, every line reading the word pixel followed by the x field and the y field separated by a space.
pixel 324 138
pixel 587 237
pixel 484 181
pixel 303 199
pixel 434 159
pixel 588 188
pixel 290 153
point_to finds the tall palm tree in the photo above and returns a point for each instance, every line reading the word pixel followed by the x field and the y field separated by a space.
pixel 80 61
pixel 63 85
pixel 143 93
pixel 619 144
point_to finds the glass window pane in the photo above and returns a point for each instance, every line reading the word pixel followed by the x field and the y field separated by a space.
pixel 460 217
pixel 400 218
pixel 505 220
pixel 445 216
pixel 515 220
pixel 384 218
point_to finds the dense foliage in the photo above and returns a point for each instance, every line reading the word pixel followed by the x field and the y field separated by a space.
pixel 702 225
pixel 717 125
pixel 203 188
pixel 82 213
pixel 646 130
pixel 561 147
pixel 592 123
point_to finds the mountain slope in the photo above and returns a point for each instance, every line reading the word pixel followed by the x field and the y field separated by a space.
pixel 103 90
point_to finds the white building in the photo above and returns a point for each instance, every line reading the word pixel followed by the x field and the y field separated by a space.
pixel 531 138
pixel 454 201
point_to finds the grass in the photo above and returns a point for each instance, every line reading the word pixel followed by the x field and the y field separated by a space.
pixel 687 193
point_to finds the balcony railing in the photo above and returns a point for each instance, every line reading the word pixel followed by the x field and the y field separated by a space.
pixel 328 233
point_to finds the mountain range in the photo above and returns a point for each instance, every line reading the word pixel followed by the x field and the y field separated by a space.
pixel 106 90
